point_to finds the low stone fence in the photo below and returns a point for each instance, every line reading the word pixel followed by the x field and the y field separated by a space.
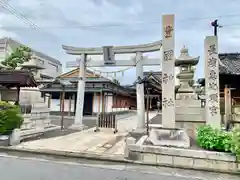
pixel 181 158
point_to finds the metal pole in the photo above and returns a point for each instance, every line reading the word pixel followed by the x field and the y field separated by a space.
pixel 215 27
pixel 147 113
pixel 62 99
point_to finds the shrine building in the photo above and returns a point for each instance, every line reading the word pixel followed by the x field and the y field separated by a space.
pixel 101 94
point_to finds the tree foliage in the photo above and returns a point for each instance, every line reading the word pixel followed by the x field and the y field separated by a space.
pixel 19 56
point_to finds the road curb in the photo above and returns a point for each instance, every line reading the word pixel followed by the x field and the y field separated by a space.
pixel 69 154
pixel 92 156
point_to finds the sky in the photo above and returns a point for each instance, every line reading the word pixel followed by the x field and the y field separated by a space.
pixel 93 23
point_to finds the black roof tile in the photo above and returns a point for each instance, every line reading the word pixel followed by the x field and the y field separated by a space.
pixel 229 63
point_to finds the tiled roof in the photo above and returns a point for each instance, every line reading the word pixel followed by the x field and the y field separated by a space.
pixel 229 63
pixel 15 44
pixel 152 78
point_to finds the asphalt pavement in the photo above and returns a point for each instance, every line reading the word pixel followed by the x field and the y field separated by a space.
pixel 22 168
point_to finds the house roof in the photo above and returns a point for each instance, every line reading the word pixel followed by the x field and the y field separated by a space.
pixel 90 76
pixel 150 77
pixel 15 44
pixel 14 78
pixel 229 63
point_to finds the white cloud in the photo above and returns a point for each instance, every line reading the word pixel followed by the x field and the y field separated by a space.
pixel 66 19
pixel 4 33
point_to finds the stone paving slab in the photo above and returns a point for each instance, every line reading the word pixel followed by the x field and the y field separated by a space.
pixel 104 141
pixel 76 142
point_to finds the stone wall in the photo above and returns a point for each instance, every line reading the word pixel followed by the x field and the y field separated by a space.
pixel 182 158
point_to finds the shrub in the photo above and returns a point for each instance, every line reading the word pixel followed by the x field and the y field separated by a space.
pixel 236 142
pixel 214 139
pixel 10 118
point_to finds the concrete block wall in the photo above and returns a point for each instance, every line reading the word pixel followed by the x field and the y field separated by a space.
pixel 182 158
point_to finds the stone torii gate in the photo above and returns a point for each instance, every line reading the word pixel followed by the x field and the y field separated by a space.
pixel 168 71
pixel 139 61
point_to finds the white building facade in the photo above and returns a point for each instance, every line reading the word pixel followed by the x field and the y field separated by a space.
pixel 52 67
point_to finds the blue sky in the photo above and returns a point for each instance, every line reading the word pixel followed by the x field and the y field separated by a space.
pixel 89 23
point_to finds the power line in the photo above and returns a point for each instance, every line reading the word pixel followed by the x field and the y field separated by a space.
pixel 135 23
pixel 25 20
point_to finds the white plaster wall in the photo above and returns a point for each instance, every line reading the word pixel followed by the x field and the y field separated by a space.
pixel 96 104
pixel 55 105
pixel 66 105
pixel 109 103
pixel 30 95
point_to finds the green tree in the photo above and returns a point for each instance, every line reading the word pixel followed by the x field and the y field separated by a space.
pixel 19 56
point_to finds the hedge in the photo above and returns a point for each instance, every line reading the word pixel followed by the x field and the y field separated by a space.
pixel 219 140
pixel 10 118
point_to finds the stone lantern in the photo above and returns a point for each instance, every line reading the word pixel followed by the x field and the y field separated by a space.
pixel 187 64
pixel 33 66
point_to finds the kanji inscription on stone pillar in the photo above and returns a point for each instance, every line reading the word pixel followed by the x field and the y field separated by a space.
pixel 213 117
pixel 168 71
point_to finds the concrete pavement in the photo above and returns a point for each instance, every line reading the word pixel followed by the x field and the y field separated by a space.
pixel 29 168
pixel 88 141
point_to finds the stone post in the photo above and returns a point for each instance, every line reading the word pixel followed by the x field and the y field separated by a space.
pixel 227 100
pixel 78 121
pixel 128 141
pixel 140 94
pixel 168 71
pixel 49 100
pixel 69 106
pixel 213 117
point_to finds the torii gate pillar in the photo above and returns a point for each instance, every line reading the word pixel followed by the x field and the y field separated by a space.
pixel 140 94
pixel 78 121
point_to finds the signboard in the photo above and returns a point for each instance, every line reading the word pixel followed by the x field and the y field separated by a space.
pixel 213 117
pixel 108 55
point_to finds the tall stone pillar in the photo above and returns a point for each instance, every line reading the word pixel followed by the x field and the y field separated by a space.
pixel 78 121
pixel 168 72
pixel 213 117
pixel 140 94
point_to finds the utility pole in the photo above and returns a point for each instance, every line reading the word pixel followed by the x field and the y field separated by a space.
pixel 215 26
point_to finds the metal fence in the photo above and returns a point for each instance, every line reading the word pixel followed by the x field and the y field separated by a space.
pixel 107 120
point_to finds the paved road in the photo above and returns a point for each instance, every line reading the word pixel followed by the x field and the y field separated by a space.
pixel 25 168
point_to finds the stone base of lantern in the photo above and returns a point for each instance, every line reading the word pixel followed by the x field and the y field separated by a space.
pixel 169 137
pixel 189 107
